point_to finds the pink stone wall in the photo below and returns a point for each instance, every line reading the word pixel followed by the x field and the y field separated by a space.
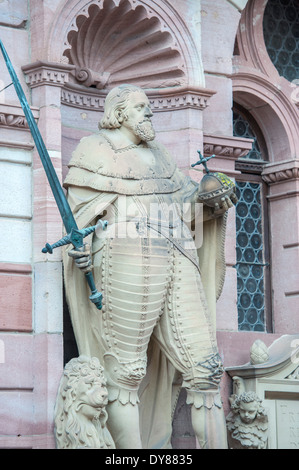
pixel 16 297
pixel 28 385
pixel 31 343
pixel 195 114
pixel 255 85
pixel 255 82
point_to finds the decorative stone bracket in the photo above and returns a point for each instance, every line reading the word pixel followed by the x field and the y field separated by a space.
pixel 47 73
pixel 13 117
pixel 226 147
pixel 282 171
pixel 88 77
pixel 14 130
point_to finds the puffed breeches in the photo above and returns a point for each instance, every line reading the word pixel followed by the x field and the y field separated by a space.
pixel 150 289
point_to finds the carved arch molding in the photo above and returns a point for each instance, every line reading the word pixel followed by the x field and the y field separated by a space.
pixel 257 86
pixel 122 41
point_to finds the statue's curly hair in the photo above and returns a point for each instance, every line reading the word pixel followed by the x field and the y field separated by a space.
pixel 249 397
pixel 116 103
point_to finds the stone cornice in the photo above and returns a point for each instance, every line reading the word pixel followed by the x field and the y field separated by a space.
pixel 47 73
pixel 280 363
pixel 13 120
pixel 164 99
pixel 180 98
pixel 281 172
pixel 250 166
pixel 16 145
pixel 12 117
pixel 225 146
pixel 79 96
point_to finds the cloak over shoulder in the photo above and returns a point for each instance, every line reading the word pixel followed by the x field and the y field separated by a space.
pixel 131 170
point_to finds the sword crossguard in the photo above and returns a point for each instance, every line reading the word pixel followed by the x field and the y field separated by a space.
pixel 75 237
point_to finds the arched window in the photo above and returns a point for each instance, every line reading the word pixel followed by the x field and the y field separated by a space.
pixel 281 35
pixel 251 229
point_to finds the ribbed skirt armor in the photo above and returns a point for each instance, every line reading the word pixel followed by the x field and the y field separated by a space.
pixel 150 289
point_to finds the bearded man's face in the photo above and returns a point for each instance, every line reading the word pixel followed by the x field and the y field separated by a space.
pixel 145 130
pixel 138 114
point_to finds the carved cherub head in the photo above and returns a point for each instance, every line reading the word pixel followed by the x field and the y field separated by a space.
pixel 249 407
pixel 248 422
pixel 80 415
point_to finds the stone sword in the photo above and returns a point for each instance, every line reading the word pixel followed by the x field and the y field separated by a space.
pixel 74 235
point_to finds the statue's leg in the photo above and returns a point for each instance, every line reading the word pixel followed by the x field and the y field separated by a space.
pixel 124 425
pixel 123 380
pixel 135 276
pixel 208 418
pixel 187 337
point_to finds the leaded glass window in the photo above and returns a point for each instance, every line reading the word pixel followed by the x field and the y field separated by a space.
pixel 250 255
pixel 242 128
pixel 281 36
pixel 250 259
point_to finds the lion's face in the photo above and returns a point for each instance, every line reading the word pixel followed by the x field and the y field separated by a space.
pixel 92 396
pixel 80 415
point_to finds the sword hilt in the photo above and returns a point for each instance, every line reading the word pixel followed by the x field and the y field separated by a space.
pixel 76 238
pixel 49 248
pixel 96 296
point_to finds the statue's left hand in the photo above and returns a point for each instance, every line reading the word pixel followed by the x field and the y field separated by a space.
pixel 217 191
pixel 225 203
pixel 82 258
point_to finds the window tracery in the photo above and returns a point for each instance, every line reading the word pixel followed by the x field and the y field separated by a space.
pixel 281 35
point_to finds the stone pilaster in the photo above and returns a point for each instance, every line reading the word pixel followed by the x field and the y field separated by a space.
pixel 46 80
pixel 283 181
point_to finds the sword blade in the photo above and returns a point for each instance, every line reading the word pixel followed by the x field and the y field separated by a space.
pixel 61 201
pixel 76 236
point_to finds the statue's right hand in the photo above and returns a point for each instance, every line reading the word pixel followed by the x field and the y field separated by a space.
pixel 82 258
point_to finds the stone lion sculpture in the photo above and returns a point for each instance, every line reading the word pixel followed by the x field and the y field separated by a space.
pixel 80 414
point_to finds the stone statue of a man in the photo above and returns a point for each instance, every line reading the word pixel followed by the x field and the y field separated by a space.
pixel 156 331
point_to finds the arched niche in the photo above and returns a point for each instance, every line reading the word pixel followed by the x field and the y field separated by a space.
pixel 250 42
pixel 272 111
pixel 155 44
pixel 259 88
pixel 113 41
